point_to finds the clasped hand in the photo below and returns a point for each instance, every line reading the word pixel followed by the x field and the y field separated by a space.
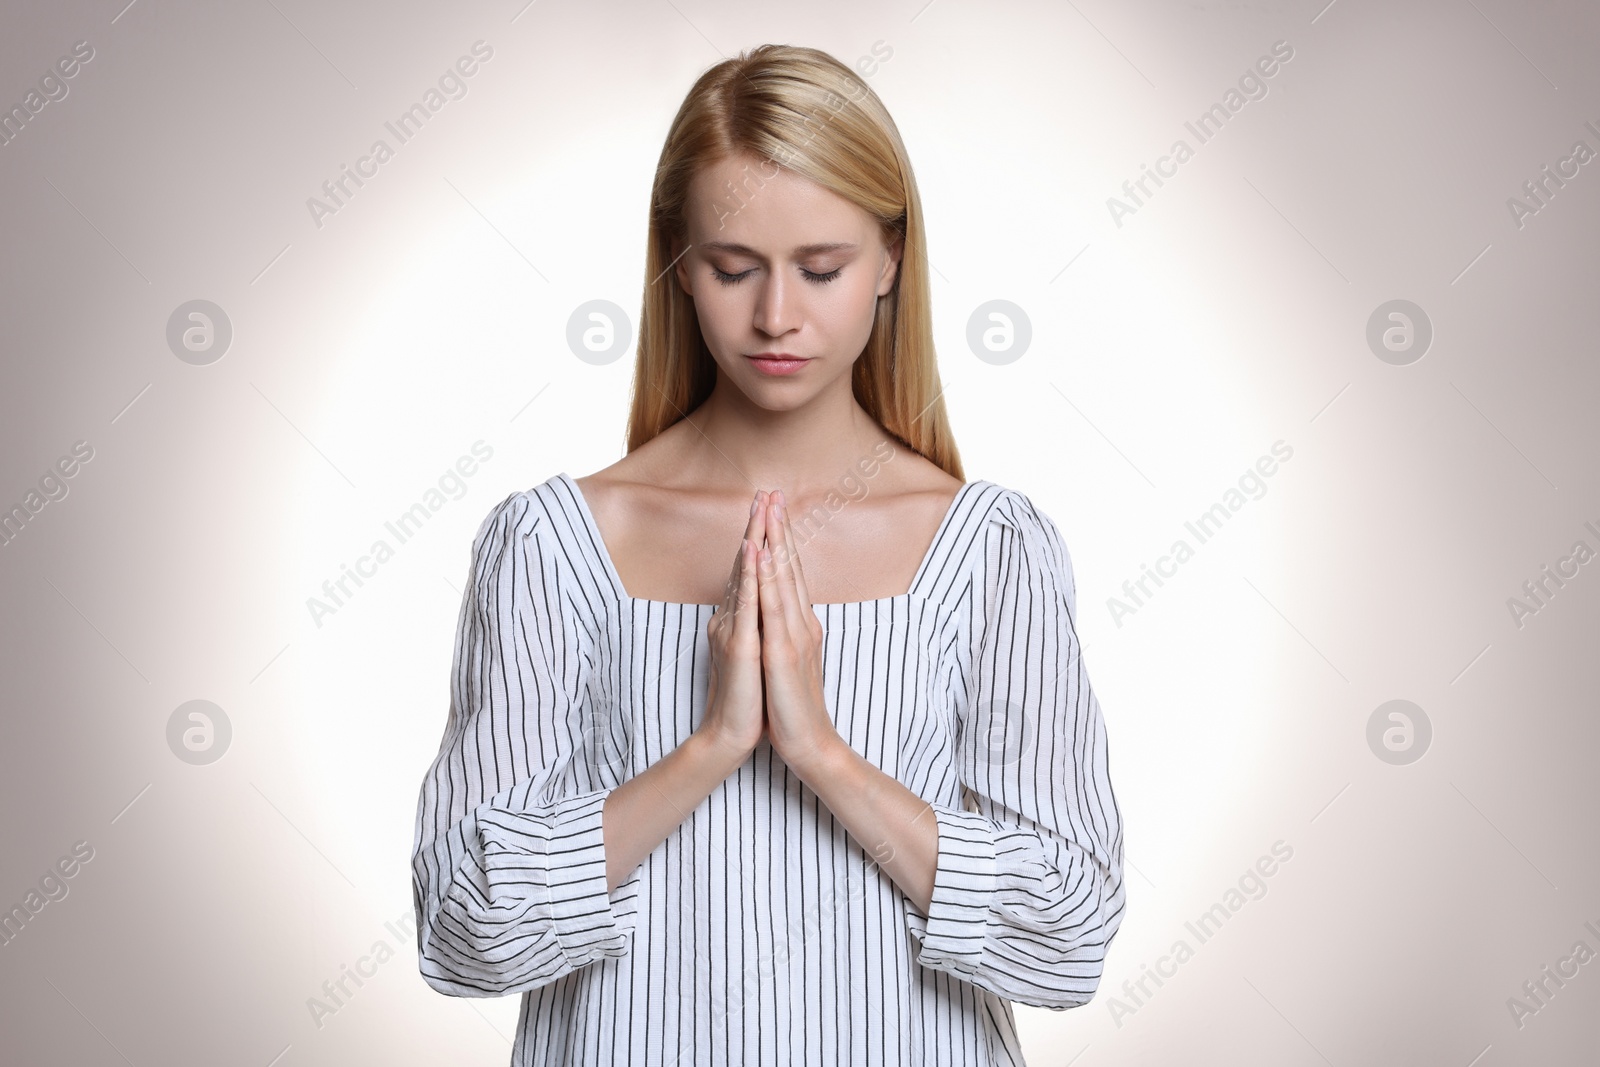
pixel 766 649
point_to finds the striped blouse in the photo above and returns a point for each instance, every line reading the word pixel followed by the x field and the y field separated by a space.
pixel 760 931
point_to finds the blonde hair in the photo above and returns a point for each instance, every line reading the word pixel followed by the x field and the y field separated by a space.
pixel 802 109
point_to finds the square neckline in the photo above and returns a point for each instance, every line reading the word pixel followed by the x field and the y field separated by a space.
pixel 603 554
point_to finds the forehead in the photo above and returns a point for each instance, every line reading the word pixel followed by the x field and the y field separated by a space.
pixel 752 201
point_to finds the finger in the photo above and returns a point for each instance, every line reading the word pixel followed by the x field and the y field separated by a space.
pixel 783 556
pixel 744 622
pixel 803 593
pixel 755 533
pixel 802 590
pixel 725 607
pixel 730 590
pixel 773 618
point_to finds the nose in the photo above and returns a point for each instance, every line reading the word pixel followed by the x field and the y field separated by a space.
pixel 775 309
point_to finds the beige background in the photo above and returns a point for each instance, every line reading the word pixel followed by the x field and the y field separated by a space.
pixel 1168 354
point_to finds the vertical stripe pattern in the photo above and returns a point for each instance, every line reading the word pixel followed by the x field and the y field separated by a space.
pixel 759 931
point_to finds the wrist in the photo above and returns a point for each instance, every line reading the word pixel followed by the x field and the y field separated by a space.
pixel 827 760
pixel 712 749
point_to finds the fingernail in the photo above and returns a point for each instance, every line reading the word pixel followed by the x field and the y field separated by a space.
pixel 778 510
pixel 755 502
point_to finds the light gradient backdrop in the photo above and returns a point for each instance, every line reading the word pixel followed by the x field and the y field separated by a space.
pixel 1171 347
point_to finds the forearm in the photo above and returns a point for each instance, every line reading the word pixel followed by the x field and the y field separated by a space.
pixel 641 812
pixel 894 825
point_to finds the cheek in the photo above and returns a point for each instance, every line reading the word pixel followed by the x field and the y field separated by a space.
pixel 854 306
pixel 717 308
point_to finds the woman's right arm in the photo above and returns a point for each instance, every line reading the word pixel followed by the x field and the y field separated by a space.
pixel 514 879
pixel 641 812
pixel 645 809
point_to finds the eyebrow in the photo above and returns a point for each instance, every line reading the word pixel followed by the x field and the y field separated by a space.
pixel 802 250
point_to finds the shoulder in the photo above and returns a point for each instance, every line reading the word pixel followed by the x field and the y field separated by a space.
pixel 1016 510
pixel 529 560
pixel 994 505
pixel 1020 537
pixel 1015 570
pixel 523 518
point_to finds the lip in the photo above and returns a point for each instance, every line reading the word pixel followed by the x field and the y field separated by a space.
pixel 776 363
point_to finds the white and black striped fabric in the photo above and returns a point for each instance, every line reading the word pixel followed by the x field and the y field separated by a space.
pixel 760 931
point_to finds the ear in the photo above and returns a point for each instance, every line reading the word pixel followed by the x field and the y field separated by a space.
pixel 679 265
pixel 891 265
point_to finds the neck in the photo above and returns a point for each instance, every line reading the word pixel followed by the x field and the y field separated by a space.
pixel 803 450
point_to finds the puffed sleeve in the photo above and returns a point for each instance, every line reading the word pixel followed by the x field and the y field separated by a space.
pixel 1028 889
pixel 509 863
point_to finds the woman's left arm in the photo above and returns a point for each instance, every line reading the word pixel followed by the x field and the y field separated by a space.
pixel 893 824
pixel 1023 896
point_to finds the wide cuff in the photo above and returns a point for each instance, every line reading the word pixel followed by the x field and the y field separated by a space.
pixel 965 880
pixel 556 858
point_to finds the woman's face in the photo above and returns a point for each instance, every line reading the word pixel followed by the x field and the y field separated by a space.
pixel 779 266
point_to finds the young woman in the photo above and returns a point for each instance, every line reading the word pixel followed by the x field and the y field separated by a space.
pixel 703 793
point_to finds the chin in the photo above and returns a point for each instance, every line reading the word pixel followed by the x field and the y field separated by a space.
pixel 776 400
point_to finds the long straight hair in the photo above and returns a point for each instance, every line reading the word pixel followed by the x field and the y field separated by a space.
pixel 799 108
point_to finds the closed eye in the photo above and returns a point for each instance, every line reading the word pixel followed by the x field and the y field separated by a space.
pixel 735 279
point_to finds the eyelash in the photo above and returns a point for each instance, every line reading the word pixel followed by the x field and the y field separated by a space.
pixel 819 279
